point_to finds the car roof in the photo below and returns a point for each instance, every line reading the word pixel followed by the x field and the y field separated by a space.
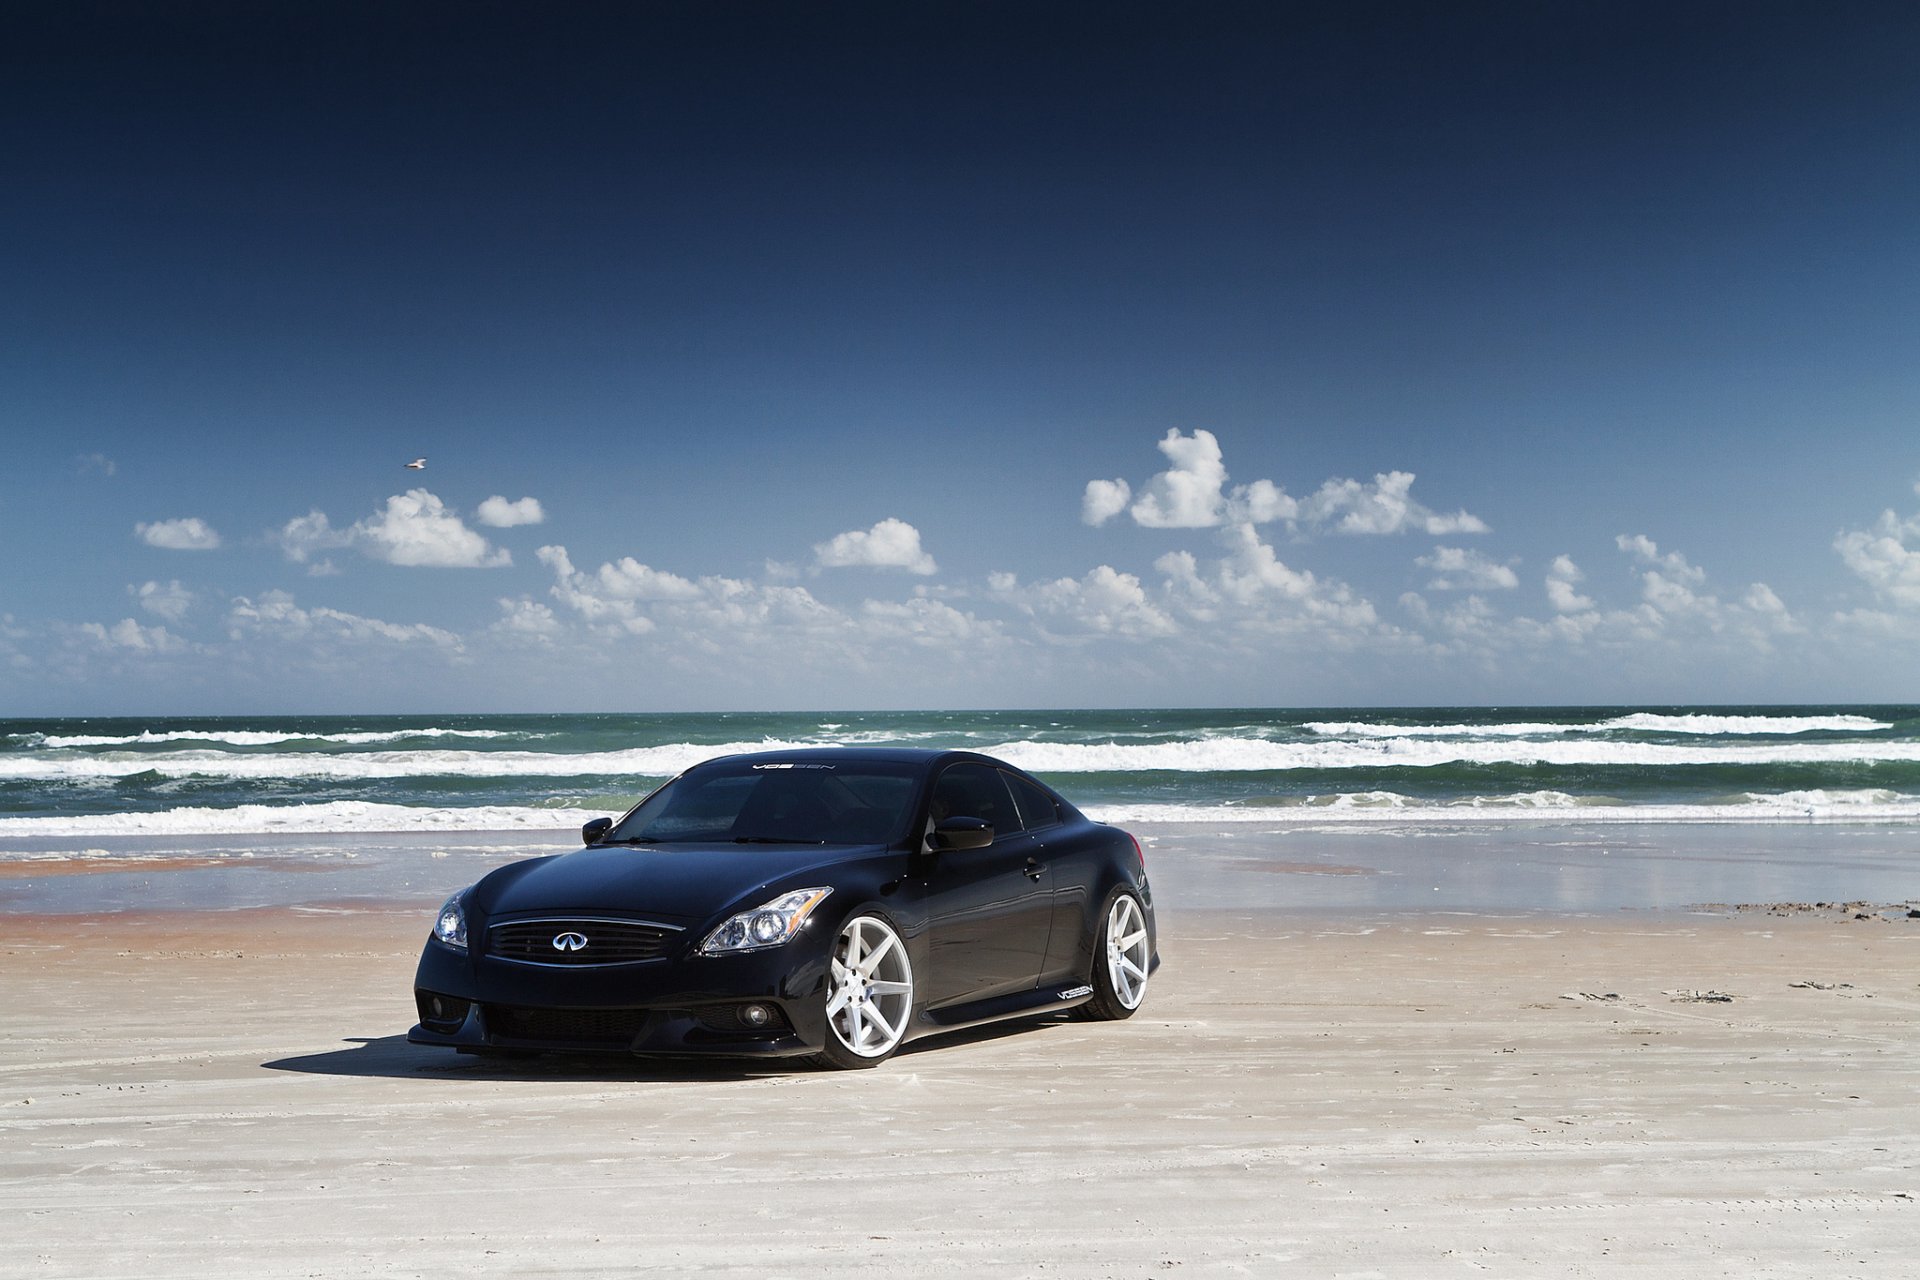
pixel 888 755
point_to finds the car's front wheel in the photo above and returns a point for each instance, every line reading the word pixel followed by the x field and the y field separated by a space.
pixel 1120 962
pixel 869 995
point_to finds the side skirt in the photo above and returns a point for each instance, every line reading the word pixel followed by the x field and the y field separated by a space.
pixel 1048 999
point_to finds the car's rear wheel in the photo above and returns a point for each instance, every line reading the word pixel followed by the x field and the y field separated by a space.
pixel 869 995
pixel 1120 962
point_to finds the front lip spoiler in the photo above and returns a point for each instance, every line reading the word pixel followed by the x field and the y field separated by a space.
pixel 668 1033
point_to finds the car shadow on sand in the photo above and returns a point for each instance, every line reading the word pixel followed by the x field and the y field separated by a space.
pixel 392 1057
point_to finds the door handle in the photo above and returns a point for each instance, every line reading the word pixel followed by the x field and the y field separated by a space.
pixel 1034 868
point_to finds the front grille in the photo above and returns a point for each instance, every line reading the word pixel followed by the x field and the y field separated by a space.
pixel 578 941
pixel 566 1026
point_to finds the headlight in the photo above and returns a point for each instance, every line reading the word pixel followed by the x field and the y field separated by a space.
pixel 768 925
pixel 450 926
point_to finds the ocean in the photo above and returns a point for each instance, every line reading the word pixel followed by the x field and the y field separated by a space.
pixel 1406 768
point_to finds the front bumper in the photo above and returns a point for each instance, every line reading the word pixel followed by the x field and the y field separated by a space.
pixel 755 1004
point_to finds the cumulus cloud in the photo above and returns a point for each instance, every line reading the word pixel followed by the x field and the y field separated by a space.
pixel 1189 494
pixel 628 596
pixel 415 529
pixel 1103 602
pixel 1457 569
pixel 1882 557
pixel 1672 566
pixel 1103 500
pixel 1384 507
pixel 190 533
pixel 129 635
pixel 303 535
pixel 527 619
pixel 1251 583
pixel 890 544
pixel 497 513
pixel 276 615
pixel 1673 593
pixel 1561 579
pixel 1186 495
pixel 170 600
pixel 925 621
pixel 1193 494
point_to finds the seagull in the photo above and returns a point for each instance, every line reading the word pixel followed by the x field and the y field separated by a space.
pixel 418 464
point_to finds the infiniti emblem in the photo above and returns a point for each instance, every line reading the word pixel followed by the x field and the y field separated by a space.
pixel 570 942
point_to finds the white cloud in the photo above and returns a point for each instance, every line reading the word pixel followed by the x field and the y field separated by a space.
pixel 417 530
pixel 925 621
pixel 890 544
pixel 1193 494
pixel 1254 576
pixel 1881 557
pixel 1672 566
pixel 1186 495
pixel 629 596
pixel 170 601
pixel 1674 594
pixel 1560 587
pixel 87 463
pixel 1190 494
pixel 497 513
pixel 527 619
pixel 1457 569
pixel 1103 500
pixel 190 533
pixel 130 635
pixel 1261 502
pixel 303 535
pixel 628 579
pixel 1384 507
pixel 1103 602
pixel 276 615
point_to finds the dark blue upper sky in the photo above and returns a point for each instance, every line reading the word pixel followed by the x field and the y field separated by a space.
pixel 716 282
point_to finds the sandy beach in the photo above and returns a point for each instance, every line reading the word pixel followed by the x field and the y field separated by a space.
pixel 1717 1093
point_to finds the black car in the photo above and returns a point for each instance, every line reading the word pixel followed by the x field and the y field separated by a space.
pixel 833 903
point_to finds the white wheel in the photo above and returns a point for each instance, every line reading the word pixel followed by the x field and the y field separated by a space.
pixel 869 994
pixel 1121 959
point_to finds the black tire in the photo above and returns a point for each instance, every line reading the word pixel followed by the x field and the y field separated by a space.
pixel 869 995
pixel 1119 977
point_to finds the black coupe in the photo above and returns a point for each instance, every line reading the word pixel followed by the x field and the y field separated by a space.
pixel 833 903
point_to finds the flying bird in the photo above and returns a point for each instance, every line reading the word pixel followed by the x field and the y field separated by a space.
pixel 418 464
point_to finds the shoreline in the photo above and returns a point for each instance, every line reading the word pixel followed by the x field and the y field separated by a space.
pixel 1533 867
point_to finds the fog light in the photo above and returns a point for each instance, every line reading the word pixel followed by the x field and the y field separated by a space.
pixel 442 1013
pixel 756 1015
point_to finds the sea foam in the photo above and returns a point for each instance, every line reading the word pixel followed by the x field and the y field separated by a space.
pixel 1345 809
pixel 1210 755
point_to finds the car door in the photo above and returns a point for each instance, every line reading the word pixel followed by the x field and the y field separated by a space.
pixel 989 910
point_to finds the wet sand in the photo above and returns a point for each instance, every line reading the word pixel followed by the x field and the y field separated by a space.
pixel 1348 1093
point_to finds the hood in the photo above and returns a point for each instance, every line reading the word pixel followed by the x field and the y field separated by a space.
pixel 675 884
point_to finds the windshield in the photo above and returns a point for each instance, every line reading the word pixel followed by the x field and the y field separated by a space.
pixel 858 802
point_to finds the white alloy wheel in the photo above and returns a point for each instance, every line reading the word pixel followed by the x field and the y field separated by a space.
pixel 870 992
pixel 1127 954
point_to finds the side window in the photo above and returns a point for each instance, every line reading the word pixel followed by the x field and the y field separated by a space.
pixel 974 791
pixel 1037 808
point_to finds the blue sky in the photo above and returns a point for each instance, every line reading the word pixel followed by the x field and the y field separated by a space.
pixel 764 355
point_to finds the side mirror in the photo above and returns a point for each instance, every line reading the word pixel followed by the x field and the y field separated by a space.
pixel 592 831
pixel 961 833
